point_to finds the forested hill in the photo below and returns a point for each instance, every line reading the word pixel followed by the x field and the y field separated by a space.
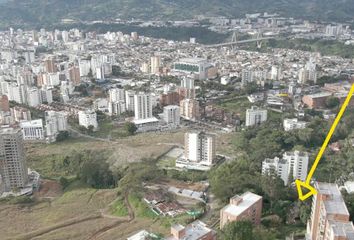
pixel 51 11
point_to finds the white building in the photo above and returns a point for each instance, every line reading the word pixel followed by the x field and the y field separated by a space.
pixel 293 123
pixel 129 100
pixel 116 95
pixel 142 106
pixel 88 118
pixel 171 115
pixel 200 68
pixel 46 95
pixel 155 64
pixel 255 116
pixel 54 123
pixel 34 97
pixel 199 147
pixel 32 130
pixel 292 162
pixel 116 108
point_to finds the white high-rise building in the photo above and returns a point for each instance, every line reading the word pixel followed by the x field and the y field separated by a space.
pixel 295 163
pixel 142 106
pixel 13 167
pixel 255 116
pixel 199 147
pixel 88 118
pixel 155 64
pixel 129 100
pixel 55 122
pixel 116 95
pixel 32 130
pixel 171 115
pixel 116 108
pixel 33 97
pixel 46 95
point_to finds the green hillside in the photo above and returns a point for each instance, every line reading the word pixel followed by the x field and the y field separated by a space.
pixel 49 11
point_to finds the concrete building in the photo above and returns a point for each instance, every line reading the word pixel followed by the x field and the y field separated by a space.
pixel 74 75
pixel 316 100
pixel 187 89
pixel 13 167
pixel 255 116
pixel 129 100
pixel 116 108
pixel 142 106
pixel 33 97
pixel 155 64
pixel 88 118
pixel 248 206
pixel 4 103
pixel 295 163
pixel 54 123
pixel 32 130
pixel 200 68
pixel 290 124
pixel 171 115
pixel 196 230
pixel 329 215
pixel 189 109
pixel 200 147
pixel 116 95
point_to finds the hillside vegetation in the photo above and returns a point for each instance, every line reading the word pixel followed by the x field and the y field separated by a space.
pixel 51 11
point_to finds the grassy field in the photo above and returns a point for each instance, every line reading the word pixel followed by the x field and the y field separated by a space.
pixel 238 106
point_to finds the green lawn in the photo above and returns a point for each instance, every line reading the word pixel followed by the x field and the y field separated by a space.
pixel 119 209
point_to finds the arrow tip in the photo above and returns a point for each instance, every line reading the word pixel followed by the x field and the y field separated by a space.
pixel 304 189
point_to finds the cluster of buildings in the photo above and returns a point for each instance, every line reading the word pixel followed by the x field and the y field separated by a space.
pixel 292 166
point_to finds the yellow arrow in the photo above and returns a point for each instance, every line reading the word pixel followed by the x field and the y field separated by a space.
pixel 306 185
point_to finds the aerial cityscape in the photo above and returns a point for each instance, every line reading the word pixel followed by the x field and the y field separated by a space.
pixel 213 123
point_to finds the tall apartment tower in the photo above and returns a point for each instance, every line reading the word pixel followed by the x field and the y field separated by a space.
pixel 187 89
pixel 116 95
pixel 199 147
pixel 74 75
pixel 329 215
pixel 189 109
pixel 171 115
pixel 50 65
pixel 155 64
pixel 142 106
pixel 13 167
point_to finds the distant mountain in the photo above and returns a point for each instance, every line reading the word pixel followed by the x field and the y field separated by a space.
pixel 17 12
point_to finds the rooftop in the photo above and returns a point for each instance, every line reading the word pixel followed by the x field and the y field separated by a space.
pixel 194 231
pixel 335 203
pixel 248 199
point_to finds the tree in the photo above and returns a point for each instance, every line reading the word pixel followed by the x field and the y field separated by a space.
pixel 332 102
pixel 62 135
pixel 130 128
pixel 240 230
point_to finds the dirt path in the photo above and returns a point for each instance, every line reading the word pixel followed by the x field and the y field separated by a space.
pixel 104 230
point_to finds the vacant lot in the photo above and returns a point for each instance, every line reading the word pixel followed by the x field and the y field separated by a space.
pixel 76 214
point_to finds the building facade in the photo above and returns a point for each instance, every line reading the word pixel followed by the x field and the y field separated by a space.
pixel 329 215
pixel 13 167
pixel 200 147
pixel 248 206
pixel 255 116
